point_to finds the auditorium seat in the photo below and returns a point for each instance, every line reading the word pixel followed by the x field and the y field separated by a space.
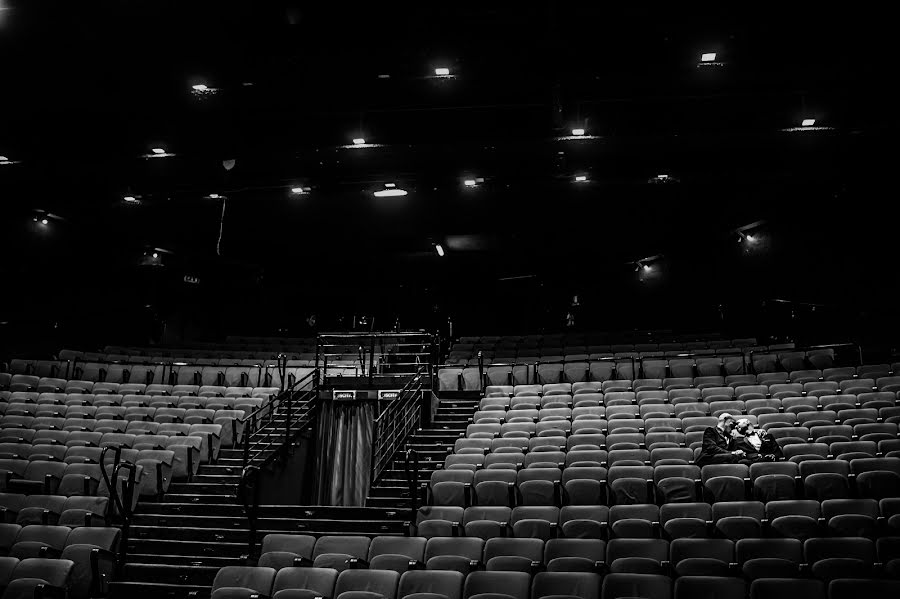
pixel 304 583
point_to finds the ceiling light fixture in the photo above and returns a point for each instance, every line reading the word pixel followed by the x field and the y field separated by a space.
pixel 390 185
pixel 708 57
pixel 581 178
pixel 807 122
pixel 470 182
pixel 442 71
pixel 390 193
pixel 439 249
pixel 44 221
pixel 359 141
pixel 200 87
pixel 578 132
pixel 158 151
pixel 130 199
pixel 155 255
pixel 299 190
pixel 4 159
pixel 214 196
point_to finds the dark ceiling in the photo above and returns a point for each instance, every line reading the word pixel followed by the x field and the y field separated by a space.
pixel 89 90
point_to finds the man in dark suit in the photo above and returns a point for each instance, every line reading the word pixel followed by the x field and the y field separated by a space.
pixel 717 445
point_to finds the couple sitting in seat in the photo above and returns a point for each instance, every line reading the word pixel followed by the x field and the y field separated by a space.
pixel 737 442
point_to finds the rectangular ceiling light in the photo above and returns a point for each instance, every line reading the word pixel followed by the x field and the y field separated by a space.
pixel 199 87
pixel 580 178
pixel 808 122
pixel 577 131
pixel 390 185
pixel 708 57
pixel 158 151
pixel 297 190
pixel 358 141
pixel 469 182
pixel 440 250
pixel 389 193
pixel 442 71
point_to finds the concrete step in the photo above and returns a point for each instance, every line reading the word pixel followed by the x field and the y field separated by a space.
pixel 153 590
pixel 199 575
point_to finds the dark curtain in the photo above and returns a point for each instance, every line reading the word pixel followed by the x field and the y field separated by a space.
pixel 345 452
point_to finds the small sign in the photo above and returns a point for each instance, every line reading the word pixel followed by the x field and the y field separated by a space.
pixel 191 280
pixel 388 395
pixel 344 396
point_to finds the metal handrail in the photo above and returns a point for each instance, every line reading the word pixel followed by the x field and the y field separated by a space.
pixel 123 507
pixel 250 479
pixel 412 479
pixel 396 422
pixel 299 407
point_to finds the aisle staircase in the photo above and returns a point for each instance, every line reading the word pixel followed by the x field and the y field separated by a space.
pixel 431 446
pixel 177 544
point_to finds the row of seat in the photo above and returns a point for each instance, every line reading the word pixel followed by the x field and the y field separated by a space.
pixel 686 556
pixel 81 474
pixel 665 363
pixel 73 511
pixel 787 518
pixel 234 582
pixel 600 343
pixel 702 387
pixel 666 443
pixel 76 561
pixel 75 388
pixel 789 411
pixel 800 427
pixel 621 376
pixel 625 482
pixel 195 376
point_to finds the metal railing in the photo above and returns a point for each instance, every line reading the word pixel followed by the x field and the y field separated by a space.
pixel 122 505
pixel 411 470
pixel 399 418
pixel 377 354
pixel 286 415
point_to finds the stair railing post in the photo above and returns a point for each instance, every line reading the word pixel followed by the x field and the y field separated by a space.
pixel 481 371
pixel 287 421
